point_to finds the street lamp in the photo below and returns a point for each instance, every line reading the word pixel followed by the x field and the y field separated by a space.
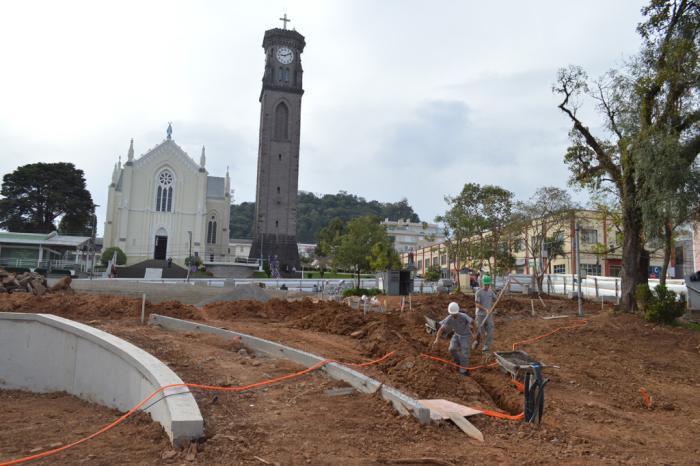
pixel 93 246
pixel 189 258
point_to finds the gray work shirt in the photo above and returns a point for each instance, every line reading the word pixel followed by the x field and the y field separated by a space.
pixel 458 323
pixel 485 298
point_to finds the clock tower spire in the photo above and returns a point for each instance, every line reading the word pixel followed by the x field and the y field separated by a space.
pixel 278 152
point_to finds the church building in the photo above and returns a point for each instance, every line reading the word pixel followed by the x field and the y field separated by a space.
pixel 163 204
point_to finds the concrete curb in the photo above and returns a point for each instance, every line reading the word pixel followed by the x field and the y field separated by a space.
pixel 402 403
pixel 43 353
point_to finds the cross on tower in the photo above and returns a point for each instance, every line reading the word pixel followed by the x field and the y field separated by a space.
pixel 285 20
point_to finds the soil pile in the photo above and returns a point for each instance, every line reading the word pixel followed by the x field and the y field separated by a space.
pixel 87 307
pixel 377 334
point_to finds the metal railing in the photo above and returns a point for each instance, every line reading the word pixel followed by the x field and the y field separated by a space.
pixel 228 260
pixel 42 264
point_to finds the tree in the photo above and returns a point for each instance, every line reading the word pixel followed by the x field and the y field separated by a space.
pixel 37 194
pixel 365 247
pixel 463 224
pixel 433 273
pixel 496 210
pixel 652 101
pixel 108 253
pixel 671 198
pixel 541 217
pixel 477 227
pixel 328 239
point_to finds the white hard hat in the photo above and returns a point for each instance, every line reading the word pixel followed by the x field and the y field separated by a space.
pixel 453 308
pixel 364 297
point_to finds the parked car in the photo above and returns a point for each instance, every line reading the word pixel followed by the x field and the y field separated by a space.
pixel 444 285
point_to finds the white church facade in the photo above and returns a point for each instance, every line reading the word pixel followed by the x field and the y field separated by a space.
pixel 160 199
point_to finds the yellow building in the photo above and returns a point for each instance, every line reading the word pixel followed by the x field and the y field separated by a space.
pixel 601 248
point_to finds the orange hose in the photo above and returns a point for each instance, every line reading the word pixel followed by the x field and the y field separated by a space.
pixel 189 385
pixel 509 417
pixel 519 386
pixel 435 358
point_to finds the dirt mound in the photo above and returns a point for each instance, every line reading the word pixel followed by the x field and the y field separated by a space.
pixel 274 310
pixel 87 307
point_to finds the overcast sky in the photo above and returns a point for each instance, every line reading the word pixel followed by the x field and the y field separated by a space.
pixel 403 98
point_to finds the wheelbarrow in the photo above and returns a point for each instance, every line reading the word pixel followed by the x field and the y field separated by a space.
pixel 518 363
pixel 432 326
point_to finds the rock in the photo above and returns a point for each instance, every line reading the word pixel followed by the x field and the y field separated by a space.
pixel 191 452
pixel 62 284
pixel 170 454
pixel 243 352
pixel 358 334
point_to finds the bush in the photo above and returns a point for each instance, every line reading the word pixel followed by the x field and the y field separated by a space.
pixel 662 305
pixel 109 252
pixel 433 273
pixel 193 260
pixel 361 292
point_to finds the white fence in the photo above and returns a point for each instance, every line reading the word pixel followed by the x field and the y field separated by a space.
pixel 591 287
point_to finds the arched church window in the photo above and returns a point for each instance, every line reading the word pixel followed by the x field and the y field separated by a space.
pixel 281 74
pixel 281 121
pixel 211 230
pixel 164 192
pixel 279 156
pixel 285 75
pixel 278 189
pixel 277 223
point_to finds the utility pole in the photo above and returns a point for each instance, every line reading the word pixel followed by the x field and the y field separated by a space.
pixel 189 266
pixel 578 267
pixel 93 246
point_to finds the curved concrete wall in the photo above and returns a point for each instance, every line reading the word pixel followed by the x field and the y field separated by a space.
pixel 403 403
pixel 44 353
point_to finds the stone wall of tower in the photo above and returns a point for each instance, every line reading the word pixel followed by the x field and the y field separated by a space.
pixel 278 154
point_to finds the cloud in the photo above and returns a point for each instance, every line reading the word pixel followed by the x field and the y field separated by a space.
pixel 403 99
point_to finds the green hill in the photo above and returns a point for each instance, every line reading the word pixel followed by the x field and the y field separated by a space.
pixel 313 213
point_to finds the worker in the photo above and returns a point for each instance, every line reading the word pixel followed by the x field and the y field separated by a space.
pixel 460 343
pixel 484 298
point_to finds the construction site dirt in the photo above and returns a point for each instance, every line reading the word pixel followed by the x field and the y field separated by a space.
pixel 594 412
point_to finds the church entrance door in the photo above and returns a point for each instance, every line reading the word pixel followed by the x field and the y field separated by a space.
pixel 161 248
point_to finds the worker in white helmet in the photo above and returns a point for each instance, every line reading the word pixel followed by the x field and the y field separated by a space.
pixel 460 343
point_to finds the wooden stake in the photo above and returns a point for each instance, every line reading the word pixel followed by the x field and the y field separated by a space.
pixel 532 306
pixel 143 308
pixel 467 427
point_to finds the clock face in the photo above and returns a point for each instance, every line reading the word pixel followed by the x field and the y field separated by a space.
pixel 285 55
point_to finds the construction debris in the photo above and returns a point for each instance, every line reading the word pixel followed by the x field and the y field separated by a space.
pixel 29 282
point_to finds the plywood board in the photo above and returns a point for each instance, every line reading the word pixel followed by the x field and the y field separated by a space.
pixel 441 409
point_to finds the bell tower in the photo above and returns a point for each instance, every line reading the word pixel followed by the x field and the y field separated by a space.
pixel 275 219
